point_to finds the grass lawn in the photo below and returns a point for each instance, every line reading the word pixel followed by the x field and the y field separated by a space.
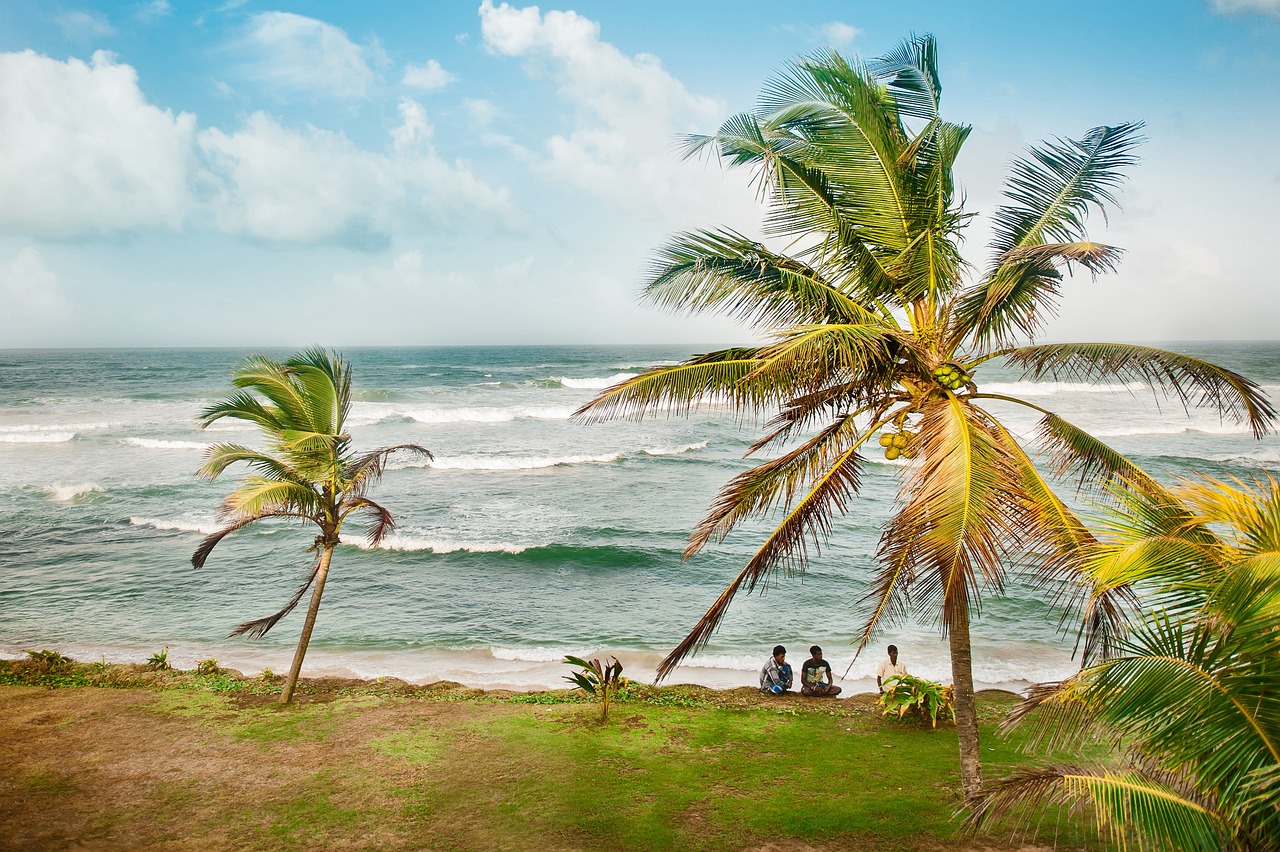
pixel 187 761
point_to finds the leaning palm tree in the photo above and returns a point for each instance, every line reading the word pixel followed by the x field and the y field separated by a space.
pixel 1193 692
pixel 874 324
pixel 311 473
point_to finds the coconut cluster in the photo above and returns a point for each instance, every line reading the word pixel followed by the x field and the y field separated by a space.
pixel 898 444
pixel 950 376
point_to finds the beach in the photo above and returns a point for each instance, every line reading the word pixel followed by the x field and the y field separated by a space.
pixel 529 537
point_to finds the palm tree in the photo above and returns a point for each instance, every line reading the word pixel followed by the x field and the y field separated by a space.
pixel 874 324
pixel 310 474
pixel 1193 692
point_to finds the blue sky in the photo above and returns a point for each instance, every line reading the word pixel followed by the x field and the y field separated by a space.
pixel 254 173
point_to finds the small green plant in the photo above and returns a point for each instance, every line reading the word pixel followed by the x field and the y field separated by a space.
pixel 267 675
pixel 598 680
pixel 50 661
pixel 906 696
pixel 159 661
pixel 207 667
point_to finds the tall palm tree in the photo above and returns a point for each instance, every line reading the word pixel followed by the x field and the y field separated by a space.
pixel 311 473
pixel 1193 692
pixel 874 324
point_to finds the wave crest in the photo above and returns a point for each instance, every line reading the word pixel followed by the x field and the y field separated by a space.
pixel 180 524
pixel 398 541
pixel 593 383
pixel 60 493
pixel 162 444
pixel 36 437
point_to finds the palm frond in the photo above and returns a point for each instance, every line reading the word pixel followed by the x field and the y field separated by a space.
pixel 256 495
pixel 961 513
pixel 727 272
pixel 856 137
pixel 221 456
pixel 382 521
pixel 757 490
pixel 714 378
pixel 1123 804
pixel 1014 300
pixel 1191 381
pixel 1058 543
pixel 808 522
pixel 258 628
pixel 910 71
pixel 240 405
pixel 211 541
pixel 365 470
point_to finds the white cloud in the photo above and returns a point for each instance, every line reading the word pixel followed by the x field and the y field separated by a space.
pixel 1267 7
pixel 148 12
pixel 84 153
pixel 316 185
pixel 630 111
pixel 429 77
pixel 84 26
pixel 296 54
pixel 32 297
pixel 840 34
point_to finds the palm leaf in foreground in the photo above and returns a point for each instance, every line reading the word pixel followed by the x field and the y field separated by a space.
pixel 1193 687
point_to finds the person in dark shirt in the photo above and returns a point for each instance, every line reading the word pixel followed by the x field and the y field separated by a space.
pixel 815 676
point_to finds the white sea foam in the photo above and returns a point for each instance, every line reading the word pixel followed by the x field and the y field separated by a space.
pixel 1170 429
pixel 369 413
pixel 65 493
pixel 162 444
pixel 36 437
pixel 1021 389
pixel 536 654
pixel 399 541
pixel 516 462
pixel 736 662
pixel 594 383
pixel 180 524
pixel 489 415
pixel 674 451
pixel 37 428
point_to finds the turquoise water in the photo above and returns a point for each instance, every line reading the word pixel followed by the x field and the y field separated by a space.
pixel 529 537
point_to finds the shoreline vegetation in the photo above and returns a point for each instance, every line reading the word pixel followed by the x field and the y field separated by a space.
pixel 139 756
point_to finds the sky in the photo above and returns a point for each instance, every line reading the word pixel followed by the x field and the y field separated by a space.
pixel 298 172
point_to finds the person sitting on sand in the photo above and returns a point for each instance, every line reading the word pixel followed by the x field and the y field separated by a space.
pixel 775 677
pixel 815 676
pixel 889 668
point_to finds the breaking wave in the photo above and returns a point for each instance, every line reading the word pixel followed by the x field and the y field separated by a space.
pixel 60 493
pixel 162 444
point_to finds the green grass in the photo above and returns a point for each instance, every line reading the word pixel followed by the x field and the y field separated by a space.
pixel 452 768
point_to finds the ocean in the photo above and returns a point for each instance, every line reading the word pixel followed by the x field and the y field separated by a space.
pixel 530 536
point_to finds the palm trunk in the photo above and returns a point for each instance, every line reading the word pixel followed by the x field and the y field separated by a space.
pixel 966 709
pixel 322 572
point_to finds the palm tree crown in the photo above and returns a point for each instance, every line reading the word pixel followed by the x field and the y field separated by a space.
pixel 1193 690
pixel 874 324
pixel 310 474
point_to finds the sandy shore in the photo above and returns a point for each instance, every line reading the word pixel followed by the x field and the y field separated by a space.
pixel 478 669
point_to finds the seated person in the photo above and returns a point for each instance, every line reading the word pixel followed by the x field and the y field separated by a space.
pixel 889 668
pixel 775 677
pixel 815 676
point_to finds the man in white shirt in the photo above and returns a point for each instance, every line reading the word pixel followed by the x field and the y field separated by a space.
pixel 889 668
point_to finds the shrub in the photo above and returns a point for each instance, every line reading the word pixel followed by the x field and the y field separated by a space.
pixel 598 680
pixel 50 661
pixel 907 696
pixel 159 661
